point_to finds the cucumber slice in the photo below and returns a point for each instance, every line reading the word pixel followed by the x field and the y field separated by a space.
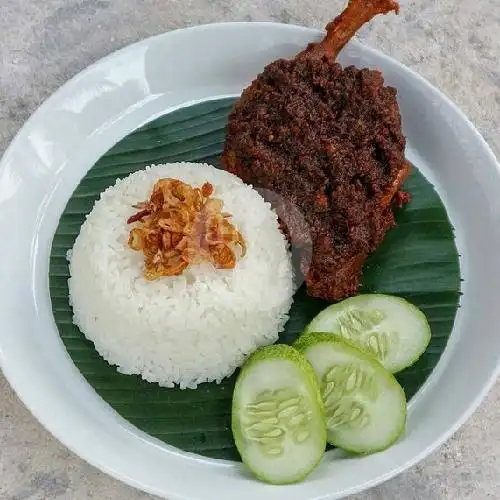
pixel 277 417
pixel 390 329
pixel 365 406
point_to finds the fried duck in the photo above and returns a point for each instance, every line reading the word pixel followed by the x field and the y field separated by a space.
pixel 328 141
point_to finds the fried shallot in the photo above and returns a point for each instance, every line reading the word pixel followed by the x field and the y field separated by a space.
pixel 181 226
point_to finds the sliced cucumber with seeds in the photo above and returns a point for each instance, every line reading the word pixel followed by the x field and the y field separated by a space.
pixel 365 407
pixel 388 328
pixel 277 416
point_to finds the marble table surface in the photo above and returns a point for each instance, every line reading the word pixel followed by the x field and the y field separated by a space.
pixel 454 44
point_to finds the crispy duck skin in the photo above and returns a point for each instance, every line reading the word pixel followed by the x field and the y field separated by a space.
pixel 328 141
pixel 340 31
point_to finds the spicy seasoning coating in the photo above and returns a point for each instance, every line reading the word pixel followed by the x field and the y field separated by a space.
pixel 329 141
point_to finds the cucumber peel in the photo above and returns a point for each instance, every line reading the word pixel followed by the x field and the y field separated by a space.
pixel 277 416
pixel 390 329
pixel 365 407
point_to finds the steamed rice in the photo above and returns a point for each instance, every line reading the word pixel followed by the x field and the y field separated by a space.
pixel 186 329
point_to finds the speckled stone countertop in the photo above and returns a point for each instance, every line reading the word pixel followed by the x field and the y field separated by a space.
pixel 453 43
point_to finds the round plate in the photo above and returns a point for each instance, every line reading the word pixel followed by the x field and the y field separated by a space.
pixel 67 135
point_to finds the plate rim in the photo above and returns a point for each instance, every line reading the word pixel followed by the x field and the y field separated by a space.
pixel 8 369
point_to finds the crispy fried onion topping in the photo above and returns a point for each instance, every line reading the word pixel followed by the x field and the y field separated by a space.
pixel 181 225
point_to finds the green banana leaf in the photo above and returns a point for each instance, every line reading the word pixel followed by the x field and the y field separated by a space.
pixel 418 260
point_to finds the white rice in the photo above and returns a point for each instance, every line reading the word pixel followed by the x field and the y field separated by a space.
pixel 198 327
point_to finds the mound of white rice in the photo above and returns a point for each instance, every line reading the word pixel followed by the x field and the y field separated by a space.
pixel 187 329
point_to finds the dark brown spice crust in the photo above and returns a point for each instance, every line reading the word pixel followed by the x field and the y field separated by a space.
pixel 327 140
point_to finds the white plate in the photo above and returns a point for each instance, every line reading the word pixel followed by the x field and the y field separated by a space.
pixel 93 111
